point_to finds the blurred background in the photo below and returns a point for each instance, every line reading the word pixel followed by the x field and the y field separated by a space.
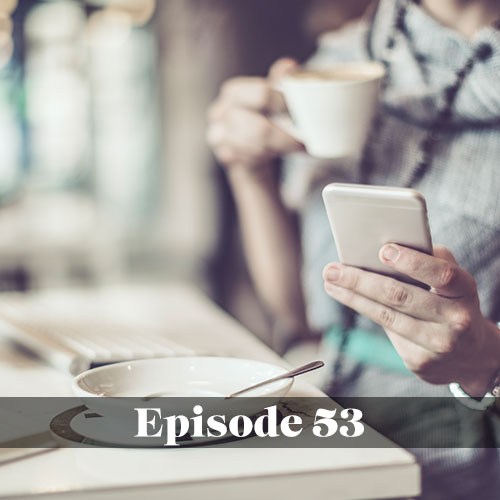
pixel 105 176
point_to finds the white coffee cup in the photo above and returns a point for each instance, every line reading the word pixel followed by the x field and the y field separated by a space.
pixel 332 109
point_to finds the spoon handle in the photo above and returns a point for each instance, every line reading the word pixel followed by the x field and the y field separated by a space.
pixel 313 365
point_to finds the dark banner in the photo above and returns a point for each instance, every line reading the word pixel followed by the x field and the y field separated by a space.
pixel 174 422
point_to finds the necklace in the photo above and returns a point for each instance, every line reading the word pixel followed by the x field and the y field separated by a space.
pixel 426 148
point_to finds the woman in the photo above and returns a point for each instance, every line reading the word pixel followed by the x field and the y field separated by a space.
pixel 437 130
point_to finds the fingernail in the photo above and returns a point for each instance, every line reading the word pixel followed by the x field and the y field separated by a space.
pixel 333 274
pixel 390 253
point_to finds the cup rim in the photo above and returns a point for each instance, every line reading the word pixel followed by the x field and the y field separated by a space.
pixel 376 67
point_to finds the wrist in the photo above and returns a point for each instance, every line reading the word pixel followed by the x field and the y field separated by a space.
pixel 485 367
pixel 264 171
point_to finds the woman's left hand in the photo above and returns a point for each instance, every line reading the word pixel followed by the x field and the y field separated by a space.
pixel 440 333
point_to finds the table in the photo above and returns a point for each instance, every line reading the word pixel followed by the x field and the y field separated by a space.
pixel 246 473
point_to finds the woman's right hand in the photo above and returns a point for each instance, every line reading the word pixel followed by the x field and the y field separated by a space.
pixel 240 131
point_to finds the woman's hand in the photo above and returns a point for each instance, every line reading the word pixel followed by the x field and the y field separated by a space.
pixel 440 334
pixel 239 129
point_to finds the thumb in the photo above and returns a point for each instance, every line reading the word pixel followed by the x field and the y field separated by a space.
pixel 281 68
pixel 277 71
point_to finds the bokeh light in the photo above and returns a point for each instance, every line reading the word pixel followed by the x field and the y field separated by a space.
pixel 140 11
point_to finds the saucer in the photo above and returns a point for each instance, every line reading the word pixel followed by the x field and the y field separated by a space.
pixel 80 426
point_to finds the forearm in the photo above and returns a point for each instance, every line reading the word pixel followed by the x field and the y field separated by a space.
pixel 271 244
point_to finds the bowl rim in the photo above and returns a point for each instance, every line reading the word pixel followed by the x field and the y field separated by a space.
pixel 79 391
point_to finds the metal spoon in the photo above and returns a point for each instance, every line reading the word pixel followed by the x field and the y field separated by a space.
pixel 309 367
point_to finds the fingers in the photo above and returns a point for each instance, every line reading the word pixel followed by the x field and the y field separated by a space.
pixel 443 275
pixel 433 332
pixel 425 318
pixel 385 316
pixel 390 292
pixel 428 335
pixel 254 92
pixel 239 130
pixel 245 135
pixel 250 92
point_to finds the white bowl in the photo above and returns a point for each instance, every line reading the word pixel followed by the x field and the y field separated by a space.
pixel 185 377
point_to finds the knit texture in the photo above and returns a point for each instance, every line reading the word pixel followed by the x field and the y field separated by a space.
pixel 463 184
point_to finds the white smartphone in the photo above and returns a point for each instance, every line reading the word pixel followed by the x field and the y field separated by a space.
pixel 365 218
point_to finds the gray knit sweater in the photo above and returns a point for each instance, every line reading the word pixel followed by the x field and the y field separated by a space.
pixel 463 185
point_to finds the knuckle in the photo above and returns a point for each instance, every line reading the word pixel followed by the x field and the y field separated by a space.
pixel 419 364
pixel 447 274
pixel 445 344
pixel 386 317
pixel 460 321
pixel 215 135
pixel 397 294
pixel 349 278
pixel 230 86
